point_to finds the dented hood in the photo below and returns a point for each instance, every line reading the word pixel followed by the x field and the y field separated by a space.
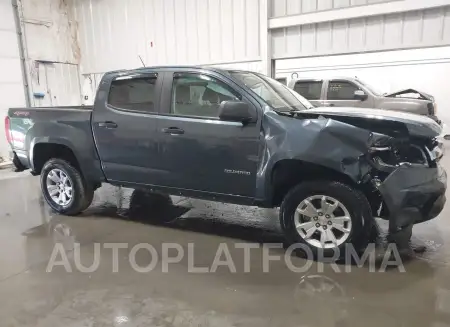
pixel 422 95
pixel 417 125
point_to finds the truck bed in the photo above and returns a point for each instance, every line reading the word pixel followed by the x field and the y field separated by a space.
pixel 32 128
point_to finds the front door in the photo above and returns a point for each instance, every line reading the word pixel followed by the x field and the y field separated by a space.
pixel 341 93
pixel 198 151
pixel 124 127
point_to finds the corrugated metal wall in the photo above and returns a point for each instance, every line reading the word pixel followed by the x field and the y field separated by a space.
pixel 413 29
pixel 113 33
pixel 294 7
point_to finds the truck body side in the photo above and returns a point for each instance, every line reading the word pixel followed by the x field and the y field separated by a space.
pixel 37 134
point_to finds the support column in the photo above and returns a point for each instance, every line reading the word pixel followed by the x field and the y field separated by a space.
pixel 265 41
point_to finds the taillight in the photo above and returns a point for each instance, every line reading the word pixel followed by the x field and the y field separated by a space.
pixel 8 129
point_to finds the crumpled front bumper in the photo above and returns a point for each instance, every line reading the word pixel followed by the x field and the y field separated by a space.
pixel 414 194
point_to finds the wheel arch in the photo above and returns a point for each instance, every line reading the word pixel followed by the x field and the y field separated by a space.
pixel 43 150
pixel 287 173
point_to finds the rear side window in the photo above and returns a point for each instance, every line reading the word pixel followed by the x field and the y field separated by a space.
pixel 310 90
pixel 341 90
pixel 199 95
pixel 137 93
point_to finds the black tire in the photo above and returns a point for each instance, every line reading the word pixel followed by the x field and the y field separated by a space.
pixel 82 194
pixel 355 202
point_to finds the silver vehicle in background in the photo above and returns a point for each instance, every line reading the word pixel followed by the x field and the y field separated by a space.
pixel 352 92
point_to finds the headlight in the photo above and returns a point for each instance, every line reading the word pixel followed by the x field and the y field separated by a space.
pixel 437 152
pixel 387 159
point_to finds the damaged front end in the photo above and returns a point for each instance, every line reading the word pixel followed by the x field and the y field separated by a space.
pixel 408 177
pixel 402 176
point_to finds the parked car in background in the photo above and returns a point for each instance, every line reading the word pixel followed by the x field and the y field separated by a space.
pixel 237 137
pixel 352 92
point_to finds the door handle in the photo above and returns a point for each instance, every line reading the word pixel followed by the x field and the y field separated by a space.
pixel 329 104
pixel 107 124
pixel 173 131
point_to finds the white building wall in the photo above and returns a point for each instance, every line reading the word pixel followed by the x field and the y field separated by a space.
pixel 11 81
pixel 114 33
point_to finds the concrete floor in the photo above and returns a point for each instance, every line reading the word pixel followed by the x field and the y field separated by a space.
pixel 30 296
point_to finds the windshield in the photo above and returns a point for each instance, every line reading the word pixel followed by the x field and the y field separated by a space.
pixel 370 88
pixel 275 94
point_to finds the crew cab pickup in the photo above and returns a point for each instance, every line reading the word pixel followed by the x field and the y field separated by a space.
pixel 352 92
pixel 237 137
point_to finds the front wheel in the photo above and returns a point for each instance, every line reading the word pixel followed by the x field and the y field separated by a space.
pixel 64 188
pixel 325 216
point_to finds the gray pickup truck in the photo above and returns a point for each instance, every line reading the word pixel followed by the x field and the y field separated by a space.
pixel 352 92
pixel 237 137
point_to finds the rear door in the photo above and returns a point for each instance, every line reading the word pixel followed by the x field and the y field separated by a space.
pixel 198 151
pixel 341 93
pixel 311 90
pixel 124 127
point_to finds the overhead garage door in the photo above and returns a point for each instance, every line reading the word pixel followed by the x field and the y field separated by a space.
pixel 390 51
pixel 11 82
pixel 425 70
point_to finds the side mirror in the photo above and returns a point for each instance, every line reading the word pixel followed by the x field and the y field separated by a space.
pixel 360 95
pixel 236 111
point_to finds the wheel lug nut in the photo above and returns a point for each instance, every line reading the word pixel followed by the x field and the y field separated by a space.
pixel 315 218
pixel 324 226
pixel 320 214
pixel 330 222
pixel 317 225
pixel 327 216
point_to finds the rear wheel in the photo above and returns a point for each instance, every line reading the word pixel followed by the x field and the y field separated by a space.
pixel 64 188
pixel 326 216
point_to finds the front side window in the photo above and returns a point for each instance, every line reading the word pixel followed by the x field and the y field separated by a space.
pixel 199 95
pixel 341 90
pixel 133 93
pixel 310 90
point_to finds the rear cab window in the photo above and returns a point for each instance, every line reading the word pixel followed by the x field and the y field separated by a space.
pixel 134 92
pixel 310 90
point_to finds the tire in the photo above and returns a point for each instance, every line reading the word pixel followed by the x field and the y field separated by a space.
pixel 81 194
pixel 353 201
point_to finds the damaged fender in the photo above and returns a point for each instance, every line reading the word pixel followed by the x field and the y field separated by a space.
pixel 325 142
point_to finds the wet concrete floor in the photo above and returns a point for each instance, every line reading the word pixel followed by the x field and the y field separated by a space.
pixel 321 296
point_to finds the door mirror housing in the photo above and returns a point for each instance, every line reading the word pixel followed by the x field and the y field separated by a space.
pixel 360 95
pixel 236 111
